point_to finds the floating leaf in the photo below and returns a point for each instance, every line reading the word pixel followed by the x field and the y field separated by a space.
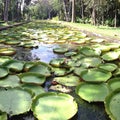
pixel 112 105
pixel 108 66
pixel 69 80
pixel 52 106
pixel 92 92
pixel 114 83
pixel 3 71
pixel 7 51
pixel 14 65
pixel 95 75
pixel 33 78
pixel 41 68
pixel 10 81
pixel 15 101
pixel 110 56
pixel 60 50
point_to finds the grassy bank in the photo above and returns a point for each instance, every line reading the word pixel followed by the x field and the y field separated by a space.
pixel 104 31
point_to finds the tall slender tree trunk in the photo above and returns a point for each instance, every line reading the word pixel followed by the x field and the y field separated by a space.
pixel 82 9
pixel 73 11
pixel 6 8
pixel 65 10
pixel 115 19
pixel 94 14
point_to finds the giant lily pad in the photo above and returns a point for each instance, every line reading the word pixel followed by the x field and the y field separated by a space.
pixel 15 101
pixel 3 71
pixel 41 68
pixel 90 52
pixel 36 89
pixel 57 62
pixel 114 83
pixel 52 106
pixel 14 65
pixel 60 50
pixel 34 78
pixel 10 81
pixel 7 51
pixel 108 66
pixel 92 92
pixel 90 62
pixel 95 75
pixel 69 80
pixel 110 56
pixel 112 105
pixel 61 71
pixel 3 59
pixel 12 42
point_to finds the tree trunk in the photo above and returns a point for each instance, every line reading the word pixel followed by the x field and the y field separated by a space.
pixel 94 14
pixel 73 11
pixel 82 9
pixel 6 7
pixel 66 11
pixel 115 19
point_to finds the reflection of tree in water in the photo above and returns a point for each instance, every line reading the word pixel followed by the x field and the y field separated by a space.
pixel 23 54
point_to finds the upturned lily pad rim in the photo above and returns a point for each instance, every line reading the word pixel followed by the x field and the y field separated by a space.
pixel 19 89
pixel 107 102
pixel 86 83
pixel 22 75
pixel 7 51
pixel 54 94
pixel 12 61
pixel 95 80
pixel 6 70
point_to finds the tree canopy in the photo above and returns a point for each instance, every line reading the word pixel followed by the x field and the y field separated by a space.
pixel 96 12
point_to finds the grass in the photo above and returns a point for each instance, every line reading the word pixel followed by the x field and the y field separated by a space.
pixel 104 31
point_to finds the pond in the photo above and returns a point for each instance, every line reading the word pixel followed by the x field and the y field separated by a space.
pixel 38 42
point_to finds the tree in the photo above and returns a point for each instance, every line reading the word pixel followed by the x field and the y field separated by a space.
pixel 6 8
pixel 73 11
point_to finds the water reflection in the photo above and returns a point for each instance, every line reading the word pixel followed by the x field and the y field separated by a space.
pixel 44 52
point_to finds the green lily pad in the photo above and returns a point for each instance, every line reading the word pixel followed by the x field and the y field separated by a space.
pixel 14 65
pixel 61 71
pixel 69 80
pixel 33 78
pixel 114 83
pixel 41 68
pixel 3 71
pixel 28 65
pixel 7 51
pixel 57 62
pixel 95 75
pixel 78 70
pixel 108 66
pixel 112 105
pixel 110 56
pixel 12 42
pixel 69 54
pixel 52 106
pixel 113 45
pixel 117 72
pixel 90 62
pixel 3 116
pixel 36 89
pixel 3 59
pixel 10 81
pixel 87 51
pixel 60 50
pixel 15 101
pixel 92 92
